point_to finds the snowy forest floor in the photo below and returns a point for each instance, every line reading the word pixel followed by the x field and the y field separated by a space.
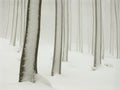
pixel 76 74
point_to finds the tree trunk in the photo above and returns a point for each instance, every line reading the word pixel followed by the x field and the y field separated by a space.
pixel 93 32
pixel 116 4
pixel 98 34
pixel 57 58
pixel 28 66
pixel 16 24
pixel 65 24
pixel 70 26
pixel 80 33
pixel 13 20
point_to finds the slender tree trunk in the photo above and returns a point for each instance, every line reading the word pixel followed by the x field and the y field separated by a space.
pixel 13 20
pixel 102 33
pixel 65 39
pixel 80 33
pixel 68 30
pixel 16 24
pixel 97 54
pixel 22 18
pixel 63 27
pixel 28 66
pixel 93 32
pixel 57 58
pixel 117 28
pixel 70 26
pixel 111 27
pixel 102 46
pixel 118 2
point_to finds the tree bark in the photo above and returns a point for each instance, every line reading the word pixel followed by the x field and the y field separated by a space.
pixel 28 66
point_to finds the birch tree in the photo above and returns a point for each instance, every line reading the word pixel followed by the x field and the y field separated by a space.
pixel 28 66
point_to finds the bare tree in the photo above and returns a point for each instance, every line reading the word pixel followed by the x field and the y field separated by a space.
pixel 61 35
pixel 116 4
pixel 65 27
pixel 102 32
pixel 28 66
pixel 57 58
pixel 93 32
pixel 70 25
pixel 80 32
pixel 111 28
pixel 13 17
pixel 98 34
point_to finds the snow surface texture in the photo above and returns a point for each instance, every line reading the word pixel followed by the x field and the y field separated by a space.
pixel 77 74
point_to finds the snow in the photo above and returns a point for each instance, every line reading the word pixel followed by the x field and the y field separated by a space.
pixel 77 74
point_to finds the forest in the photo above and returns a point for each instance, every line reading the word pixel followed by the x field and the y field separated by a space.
pixel 59 44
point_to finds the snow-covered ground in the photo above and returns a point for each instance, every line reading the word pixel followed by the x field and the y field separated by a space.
pixel 76 74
